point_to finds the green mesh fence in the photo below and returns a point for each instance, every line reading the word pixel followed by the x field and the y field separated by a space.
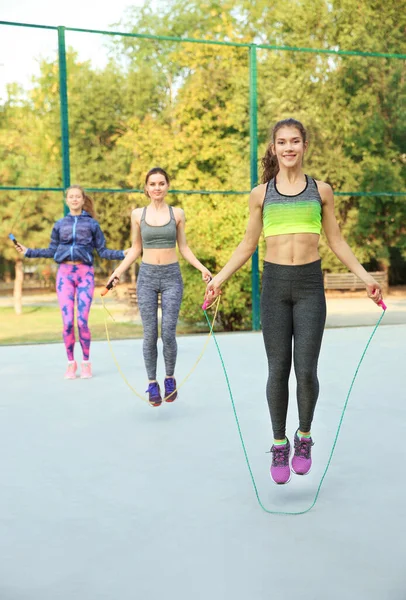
pixel 167 73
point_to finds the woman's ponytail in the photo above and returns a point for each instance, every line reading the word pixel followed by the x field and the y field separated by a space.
pixel 270 165
pixel 89 205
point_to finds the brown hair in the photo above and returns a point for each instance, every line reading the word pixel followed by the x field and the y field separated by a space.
pixel 153 171
pixel 270 165
pixel 157 170
pixel 88 205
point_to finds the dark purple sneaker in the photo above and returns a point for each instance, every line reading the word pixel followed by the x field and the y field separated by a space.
pixel 171 392
pixel 302 459
pixel 280 470
pixel 154 394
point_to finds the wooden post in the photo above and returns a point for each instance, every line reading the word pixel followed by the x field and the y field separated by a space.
pixel 18 286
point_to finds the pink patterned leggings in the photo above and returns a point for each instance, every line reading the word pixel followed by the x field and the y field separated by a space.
pixel 71 281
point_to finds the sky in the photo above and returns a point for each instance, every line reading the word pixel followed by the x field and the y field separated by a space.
pixel 21 47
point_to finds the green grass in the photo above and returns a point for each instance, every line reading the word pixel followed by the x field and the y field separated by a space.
pixel 39 324
pixel 43 324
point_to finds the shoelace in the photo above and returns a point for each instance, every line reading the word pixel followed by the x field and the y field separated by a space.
pixel 280 455
pixel 302 448
pixel 169 386
pixel 153 389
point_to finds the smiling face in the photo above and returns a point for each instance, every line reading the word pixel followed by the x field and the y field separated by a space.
pixel 75 200
pixel 156 187
pixel 289 147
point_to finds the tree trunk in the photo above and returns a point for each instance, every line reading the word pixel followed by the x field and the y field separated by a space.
pixel 18 286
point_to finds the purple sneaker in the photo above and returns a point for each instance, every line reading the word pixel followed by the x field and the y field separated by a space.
pixel 171 392
pixel 154 394
pixel 280 471
pixel 302 459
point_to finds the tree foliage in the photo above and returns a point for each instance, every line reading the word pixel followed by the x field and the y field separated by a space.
pixel 185 107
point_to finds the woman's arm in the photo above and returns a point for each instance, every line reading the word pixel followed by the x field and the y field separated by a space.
pixel 246 247
pixel 100 245
pixel 184 249
pixel 42 252
pixel 340 247
pixel 134 252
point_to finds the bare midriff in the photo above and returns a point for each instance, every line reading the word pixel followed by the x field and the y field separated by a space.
pixel 72 262
pixel 159 256
pixel 292 249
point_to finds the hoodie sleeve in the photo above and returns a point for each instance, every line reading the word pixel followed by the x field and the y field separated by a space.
pixel 46 252
pixel 100 245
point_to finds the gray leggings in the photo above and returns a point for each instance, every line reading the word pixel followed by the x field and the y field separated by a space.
pixel 166 280
pixel 293 305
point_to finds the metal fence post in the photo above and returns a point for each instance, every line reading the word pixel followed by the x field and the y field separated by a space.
pixel 63 95
pixel 254 180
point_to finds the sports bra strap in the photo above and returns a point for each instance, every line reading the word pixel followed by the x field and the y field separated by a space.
pixel 171 213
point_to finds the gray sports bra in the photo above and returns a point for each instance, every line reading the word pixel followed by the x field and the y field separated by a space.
pixel 158 236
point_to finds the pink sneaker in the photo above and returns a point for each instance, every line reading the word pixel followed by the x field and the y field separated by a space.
pixel 86 370
pixel 302 459
pixel 280 470
pixel 71 370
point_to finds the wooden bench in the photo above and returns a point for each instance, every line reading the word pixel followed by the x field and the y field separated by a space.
pixel 349 281
pixel 132 296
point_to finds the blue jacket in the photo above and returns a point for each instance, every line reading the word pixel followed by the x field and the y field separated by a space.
pixel 75 238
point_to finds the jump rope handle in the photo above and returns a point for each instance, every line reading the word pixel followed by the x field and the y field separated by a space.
pixel 107 288
pixel 13 239
pixel 381 303
pixel 206 303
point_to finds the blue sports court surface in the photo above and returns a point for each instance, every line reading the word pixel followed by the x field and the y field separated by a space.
pixel 106 498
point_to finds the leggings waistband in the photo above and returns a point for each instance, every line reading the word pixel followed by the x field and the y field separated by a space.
pixel 292 272
pixel 68 267
pixel 160 269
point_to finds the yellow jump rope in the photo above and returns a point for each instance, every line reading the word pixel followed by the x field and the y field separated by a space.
pixel 216 304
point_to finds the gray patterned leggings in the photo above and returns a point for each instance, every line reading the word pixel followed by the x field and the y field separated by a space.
pixel 293 308
pixel 166 280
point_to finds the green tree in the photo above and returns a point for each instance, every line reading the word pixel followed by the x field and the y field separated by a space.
pixel 184 106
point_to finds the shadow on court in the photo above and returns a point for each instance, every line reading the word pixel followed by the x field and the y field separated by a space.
pixel 104 497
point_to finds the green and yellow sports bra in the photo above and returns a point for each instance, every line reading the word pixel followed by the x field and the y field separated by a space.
pixel 300 213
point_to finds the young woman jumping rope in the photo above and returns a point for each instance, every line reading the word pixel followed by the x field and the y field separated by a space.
pixel 155 231
pixel 73 240
pixel 291 208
